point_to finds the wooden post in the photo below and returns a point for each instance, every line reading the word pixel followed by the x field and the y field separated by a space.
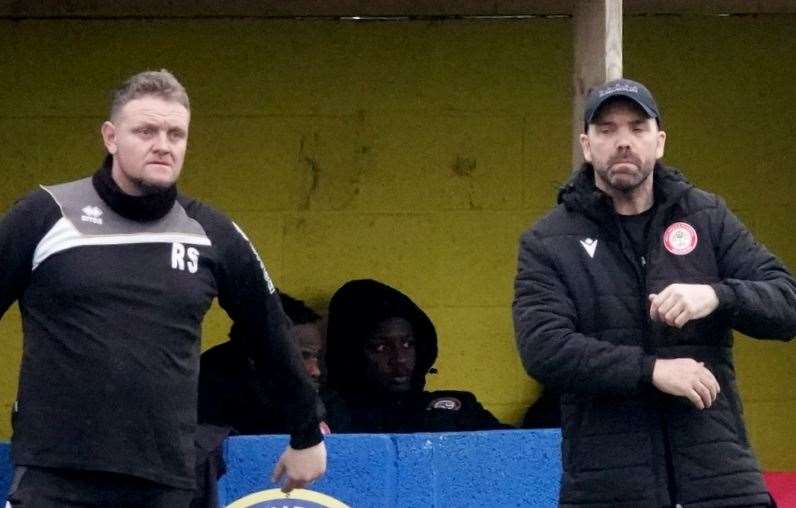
pixel 598 56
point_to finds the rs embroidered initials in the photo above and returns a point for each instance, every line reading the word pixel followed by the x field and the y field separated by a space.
pixel 178 255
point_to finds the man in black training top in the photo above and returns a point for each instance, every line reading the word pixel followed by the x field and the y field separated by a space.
pixel 380 346
pixel 113 274
pixel 625 301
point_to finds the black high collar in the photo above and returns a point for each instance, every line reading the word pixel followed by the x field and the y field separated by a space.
pixel 138 208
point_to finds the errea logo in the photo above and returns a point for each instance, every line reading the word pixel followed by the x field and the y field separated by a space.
pixel 91 214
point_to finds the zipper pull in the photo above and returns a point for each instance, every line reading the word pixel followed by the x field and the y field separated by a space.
pixel 643 261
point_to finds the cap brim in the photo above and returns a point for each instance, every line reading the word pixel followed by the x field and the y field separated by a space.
pixel 649 111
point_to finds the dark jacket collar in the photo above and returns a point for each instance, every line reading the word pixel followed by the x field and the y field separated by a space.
pixel 581 194
pixel 138 208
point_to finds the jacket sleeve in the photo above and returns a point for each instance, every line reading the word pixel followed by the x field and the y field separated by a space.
pixel 552 349
pixel 21 230
pixel 757 291
pixel 247 294
pixel 477 417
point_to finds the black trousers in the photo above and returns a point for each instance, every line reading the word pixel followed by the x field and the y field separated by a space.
pixel 36 487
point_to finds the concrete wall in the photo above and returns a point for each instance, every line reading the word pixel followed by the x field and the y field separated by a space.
pixel 472 469
pixel 496 468
pixel 413 152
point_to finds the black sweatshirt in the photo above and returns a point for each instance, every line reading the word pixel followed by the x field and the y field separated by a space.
pixel 113 289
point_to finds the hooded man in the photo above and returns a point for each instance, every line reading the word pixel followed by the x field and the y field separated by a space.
pixel 380 346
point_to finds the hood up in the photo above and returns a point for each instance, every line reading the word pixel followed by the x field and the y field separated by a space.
pixel 354 310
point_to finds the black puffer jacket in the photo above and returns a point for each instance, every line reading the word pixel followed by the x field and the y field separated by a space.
pixel 582 323
pixel 353 312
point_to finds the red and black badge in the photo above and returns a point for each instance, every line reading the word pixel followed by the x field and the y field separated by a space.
pixel 680 238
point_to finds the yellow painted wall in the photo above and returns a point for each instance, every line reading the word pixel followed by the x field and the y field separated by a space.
pixel 726 86
pixel 412 152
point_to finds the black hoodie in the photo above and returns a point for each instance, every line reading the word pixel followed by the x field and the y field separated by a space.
pixel 355 309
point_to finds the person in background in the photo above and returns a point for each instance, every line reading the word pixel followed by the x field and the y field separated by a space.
pixel 231 394
pixel 234 400
pixel 380 346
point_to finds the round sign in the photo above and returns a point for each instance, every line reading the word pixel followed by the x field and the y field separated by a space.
pixel 680 238
pixel 297 498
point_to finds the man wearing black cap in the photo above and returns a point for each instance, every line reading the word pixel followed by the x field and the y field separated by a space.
pixel 625 300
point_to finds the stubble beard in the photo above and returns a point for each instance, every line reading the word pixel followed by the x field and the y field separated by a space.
pixel 149 187
pixel 625 183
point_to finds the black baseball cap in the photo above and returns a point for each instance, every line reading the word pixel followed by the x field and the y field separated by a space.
pixel 627 88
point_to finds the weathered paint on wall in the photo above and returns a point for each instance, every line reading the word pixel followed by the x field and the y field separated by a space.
pixel 725 85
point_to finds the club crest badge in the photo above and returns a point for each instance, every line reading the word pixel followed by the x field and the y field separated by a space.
pixel 680 239
pixel 297 498
pixel 447 403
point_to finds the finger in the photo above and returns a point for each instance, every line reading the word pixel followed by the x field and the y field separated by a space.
pixel 658 302
pixel 667 303
pixel 293 483
pixel 714 391
pixel 711 387
pixel 695 399
pixel 287 487
pixel 681 320
pixel 279 470
pixel 713 383
pixel 674 311
pixel 656 313
pixel 704 394
pixel 653 307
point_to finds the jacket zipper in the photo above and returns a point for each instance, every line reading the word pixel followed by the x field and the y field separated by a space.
pixel 640 269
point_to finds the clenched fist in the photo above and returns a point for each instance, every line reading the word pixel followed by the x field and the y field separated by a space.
pixel 680 303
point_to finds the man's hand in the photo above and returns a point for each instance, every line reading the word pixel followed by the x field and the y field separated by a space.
pixel 680 303
pixel 300 467
pixel 687 378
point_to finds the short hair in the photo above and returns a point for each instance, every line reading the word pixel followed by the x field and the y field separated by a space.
pixel 160 83
pixel 298 312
